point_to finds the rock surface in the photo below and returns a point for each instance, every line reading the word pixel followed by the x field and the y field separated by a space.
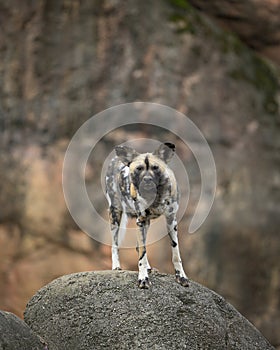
pixel 15 334
pixel 106 310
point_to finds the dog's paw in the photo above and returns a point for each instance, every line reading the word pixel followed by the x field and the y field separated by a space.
pixel 183 281
pixel 144 283
pixel 117 269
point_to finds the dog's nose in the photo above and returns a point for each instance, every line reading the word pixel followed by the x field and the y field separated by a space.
pixel 147 179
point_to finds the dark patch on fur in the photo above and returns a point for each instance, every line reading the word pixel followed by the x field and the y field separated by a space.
pixel 135 177
pixel 115 216
pixel 143 254
pixel 170 145
pixel 147 212
pixel 147 163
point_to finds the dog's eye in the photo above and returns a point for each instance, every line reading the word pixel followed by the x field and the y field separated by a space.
pixel 139 168
pixel 155 167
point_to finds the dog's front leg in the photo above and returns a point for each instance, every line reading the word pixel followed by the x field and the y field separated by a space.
pixel 143 280
pixel 176 258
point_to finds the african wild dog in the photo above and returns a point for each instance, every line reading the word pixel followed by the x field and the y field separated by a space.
pixel 144 187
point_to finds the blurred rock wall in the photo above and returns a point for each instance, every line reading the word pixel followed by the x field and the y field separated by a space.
pixel 256 22
pixel 62 62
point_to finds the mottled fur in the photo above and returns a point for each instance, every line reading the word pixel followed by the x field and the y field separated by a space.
pixel 144 187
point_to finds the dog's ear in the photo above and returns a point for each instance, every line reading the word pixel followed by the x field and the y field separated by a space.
pixel 165 151
pixel 126 154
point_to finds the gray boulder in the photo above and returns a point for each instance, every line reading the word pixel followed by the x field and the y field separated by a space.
pixel 16 335
pixel 106 310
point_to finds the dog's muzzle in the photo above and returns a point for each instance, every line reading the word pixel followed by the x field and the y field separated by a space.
pixel 148 189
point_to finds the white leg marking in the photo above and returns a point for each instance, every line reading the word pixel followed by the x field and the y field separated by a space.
pixel 143 264
pixel 115 250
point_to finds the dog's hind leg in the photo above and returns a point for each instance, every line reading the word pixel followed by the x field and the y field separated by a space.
pixel 115 220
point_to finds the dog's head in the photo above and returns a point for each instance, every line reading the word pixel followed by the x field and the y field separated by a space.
pixel 147 170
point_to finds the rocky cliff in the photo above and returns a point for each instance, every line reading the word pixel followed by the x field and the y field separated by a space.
pixel 62 62
pixel 256 22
